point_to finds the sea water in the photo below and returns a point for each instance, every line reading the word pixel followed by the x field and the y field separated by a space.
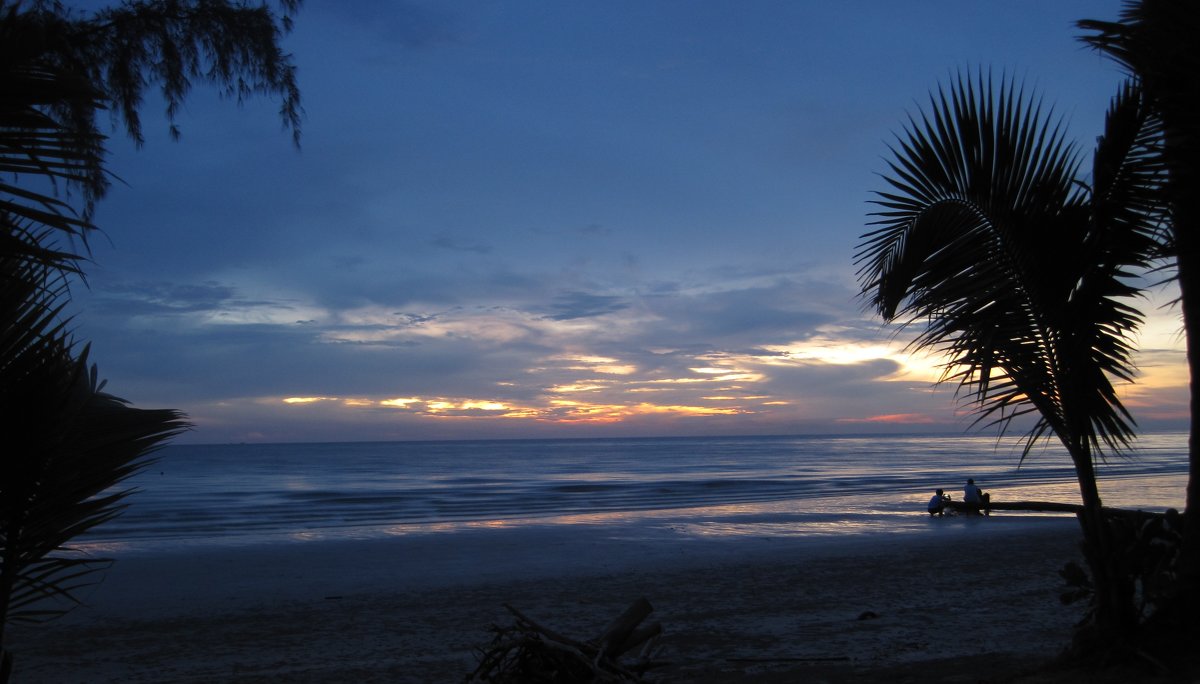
pixel 701 486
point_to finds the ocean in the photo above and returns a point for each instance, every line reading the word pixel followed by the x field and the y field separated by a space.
pixel 240 494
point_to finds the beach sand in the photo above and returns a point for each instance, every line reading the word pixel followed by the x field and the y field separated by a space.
pixel 966 600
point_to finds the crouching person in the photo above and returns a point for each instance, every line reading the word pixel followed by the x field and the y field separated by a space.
pixel 937 505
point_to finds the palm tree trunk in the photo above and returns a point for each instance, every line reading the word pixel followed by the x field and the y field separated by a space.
pixel 1115 617
pixel 1181 142
pixel 1187 243
pixel 8 578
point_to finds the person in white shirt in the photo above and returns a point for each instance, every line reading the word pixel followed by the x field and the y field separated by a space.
pixel 971 493
pixel 975 496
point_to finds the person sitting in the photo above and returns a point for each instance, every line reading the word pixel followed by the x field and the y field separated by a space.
pixel 937 505
pixel 975 497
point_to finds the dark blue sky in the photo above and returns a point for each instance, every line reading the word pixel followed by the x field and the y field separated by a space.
pixel 531 219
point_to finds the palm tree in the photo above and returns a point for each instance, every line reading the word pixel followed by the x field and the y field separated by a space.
pixel 68 445
pixel 1018 273
pixel 1156 42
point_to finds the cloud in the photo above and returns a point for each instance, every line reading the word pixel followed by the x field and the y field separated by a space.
pixel 216 344
pixel 572 305
pixel 162 298
pixel 486 351
pixel 893 419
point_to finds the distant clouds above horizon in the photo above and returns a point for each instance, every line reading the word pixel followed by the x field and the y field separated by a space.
pixel 557 219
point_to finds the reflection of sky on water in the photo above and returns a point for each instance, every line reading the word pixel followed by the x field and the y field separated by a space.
pixel 821 518
pixel 824 517
pixel 685 489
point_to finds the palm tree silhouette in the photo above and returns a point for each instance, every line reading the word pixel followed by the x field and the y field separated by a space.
pixel 68 445
pixel 1019 274
pixel 1156 42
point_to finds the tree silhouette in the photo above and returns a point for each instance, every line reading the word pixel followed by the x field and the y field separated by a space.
pixel 1158 43
pixel 1017 272
pixel 68 445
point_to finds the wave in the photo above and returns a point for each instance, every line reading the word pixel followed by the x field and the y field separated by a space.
pixel 238 491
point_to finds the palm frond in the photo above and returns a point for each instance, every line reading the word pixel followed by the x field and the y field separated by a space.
pixel 1129 176
pixel 68 445
pixel 986 241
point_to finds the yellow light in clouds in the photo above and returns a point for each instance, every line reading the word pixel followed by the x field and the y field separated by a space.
pixel 913 366
pixel 604 413
pixel 483 405
pixel 730 376
pixel 599 364
pixel 615 369
pixel 575 411
pixel 307 400
pixel 739 377
pixel 400 402
pixel 838 353
pixel 687 410
pixel 465 405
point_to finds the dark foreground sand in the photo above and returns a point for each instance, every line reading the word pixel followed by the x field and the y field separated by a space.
pixel 965 602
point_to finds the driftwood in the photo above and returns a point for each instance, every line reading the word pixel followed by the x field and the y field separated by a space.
pixel 1033 506
pixel 530 652
pixel 792 659
pixel 1045 507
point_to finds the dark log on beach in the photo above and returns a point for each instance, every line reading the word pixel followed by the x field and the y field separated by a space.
pixel 792 659
pixel 1035 506
pixel 530 652
pixel 613 638
pixel 1045 507
pixel 1031 506
pixel 640 636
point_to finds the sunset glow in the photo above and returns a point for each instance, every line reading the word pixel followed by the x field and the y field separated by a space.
pixel 640 228
pixel 606 390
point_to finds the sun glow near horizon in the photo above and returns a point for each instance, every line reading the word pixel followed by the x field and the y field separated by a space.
pixel 606 389
pixel 839 376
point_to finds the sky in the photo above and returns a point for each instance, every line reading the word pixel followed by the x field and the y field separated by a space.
pixel 559 219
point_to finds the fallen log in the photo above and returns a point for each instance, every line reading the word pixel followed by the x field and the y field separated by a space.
pixel 642 636
pixel 1046 507
pixel 792 659
pixel 1031 506
pixel 612 639
pixel 530 652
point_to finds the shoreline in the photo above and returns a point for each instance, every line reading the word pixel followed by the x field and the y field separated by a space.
pixel 415 608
